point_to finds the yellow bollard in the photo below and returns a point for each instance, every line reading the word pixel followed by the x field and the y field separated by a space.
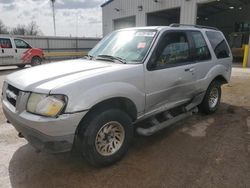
pixel 245 59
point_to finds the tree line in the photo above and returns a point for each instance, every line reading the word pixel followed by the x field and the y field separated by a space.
pixel 30 29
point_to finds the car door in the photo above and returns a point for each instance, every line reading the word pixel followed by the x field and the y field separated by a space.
pixel 202 58
pixel 170 73
pixel 22 50
pixel 7 52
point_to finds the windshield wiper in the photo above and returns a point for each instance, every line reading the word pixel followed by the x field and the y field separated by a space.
pixel 89 57
pixel 112 58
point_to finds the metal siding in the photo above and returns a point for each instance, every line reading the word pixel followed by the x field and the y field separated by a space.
pixel 59 43
pixel 124 22
pixel 37 43
pixel 129 8
pixel 188 12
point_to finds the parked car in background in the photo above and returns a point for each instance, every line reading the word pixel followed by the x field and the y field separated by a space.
pixel 15 51
pixel 161 73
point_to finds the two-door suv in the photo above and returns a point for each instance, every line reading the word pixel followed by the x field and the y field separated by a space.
pixel 163 74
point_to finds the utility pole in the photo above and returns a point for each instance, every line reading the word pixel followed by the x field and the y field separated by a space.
pixel 248 60
pixel 54 16
pixel 77 13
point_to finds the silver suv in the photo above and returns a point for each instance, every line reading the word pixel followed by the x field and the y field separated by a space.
pixel 163 74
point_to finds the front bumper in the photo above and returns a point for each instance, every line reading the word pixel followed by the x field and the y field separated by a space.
pixel 52 135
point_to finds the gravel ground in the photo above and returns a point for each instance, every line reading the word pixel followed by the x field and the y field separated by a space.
pixel 201 151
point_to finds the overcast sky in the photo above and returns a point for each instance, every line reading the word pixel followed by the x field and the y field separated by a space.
pixel 88 12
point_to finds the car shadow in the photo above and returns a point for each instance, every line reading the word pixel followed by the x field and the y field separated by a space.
pixel 149 162
pixel 10 69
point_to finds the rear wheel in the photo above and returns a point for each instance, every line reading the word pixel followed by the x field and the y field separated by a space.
pixel 212 98
pixel 36 61
pixel 106 137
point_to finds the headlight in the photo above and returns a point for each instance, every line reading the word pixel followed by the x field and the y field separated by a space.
pixel 46 105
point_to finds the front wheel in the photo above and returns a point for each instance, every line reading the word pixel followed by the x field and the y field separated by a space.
pixel 21 66
pixel 212 98
pixel 36 61
pixel 106 137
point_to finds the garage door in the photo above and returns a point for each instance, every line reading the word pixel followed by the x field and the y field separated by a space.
pixel 165 17
pixel 228 15
pixel 124 23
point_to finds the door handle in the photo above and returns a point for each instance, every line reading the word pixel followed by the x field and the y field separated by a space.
pixel 3 51
pixel 191 69
pixel 16 50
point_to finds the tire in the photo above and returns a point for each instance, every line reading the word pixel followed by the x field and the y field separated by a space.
pixel 212 98
pixel 36 61
pixel 106 136
pixel 21 66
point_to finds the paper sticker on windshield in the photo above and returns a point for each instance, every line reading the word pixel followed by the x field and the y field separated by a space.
pixel 145 34
pixel 141 45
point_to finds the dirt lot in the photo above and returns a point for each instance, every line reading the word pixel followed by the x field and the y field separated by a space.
pixel 202 151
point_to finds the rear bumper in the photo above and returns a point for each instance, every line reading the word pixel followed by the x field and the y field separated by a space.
pixel 52 135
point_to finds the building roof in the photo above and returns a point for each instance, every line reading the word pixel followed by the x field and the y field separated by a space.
pixel 106 3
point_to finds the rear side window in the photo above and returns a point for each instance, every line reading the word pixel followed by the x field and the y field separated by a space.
pixel 219 44
pixel 201 50
pixel 5 43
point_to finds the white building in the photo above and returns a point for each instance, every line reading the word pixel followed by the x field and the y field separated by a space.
pixel 228 15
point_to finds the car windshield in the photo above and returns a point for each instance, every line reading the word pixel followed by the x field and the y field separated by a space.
pixel 128 45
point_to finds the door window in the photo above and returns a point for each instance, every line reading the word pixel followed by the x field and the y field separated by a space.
pixel 5 43
pixel 173 50
pixel 21 44
pixel 201 50
pixel 219 44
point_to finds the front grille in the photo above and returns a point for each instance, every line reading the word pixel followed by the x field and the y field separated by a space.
pixel 12 94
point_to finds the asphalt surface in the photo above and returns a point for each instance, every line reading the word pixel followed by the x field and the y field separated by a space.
pixel 201 151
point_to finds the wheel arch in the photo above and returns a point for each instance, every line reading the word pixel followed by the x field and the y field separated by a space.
pixel 36 56
pixel 220 79
pixel 121 103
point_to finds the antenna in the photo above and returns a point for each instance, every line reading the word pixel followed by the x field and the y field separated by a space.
pixel 54 16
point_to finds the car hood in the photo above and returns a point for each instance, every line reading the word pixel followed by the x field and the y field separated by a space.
pixel 35 79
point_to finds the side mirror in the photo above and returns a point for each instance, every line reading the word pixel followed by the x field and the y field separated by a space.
pixel 152 61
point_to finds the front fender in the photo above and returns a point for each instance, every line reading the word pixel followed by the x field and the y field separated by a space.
pixel 95 95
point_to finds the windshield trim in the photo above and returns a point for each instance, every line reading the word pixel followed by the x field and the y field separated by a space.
pixel 150 48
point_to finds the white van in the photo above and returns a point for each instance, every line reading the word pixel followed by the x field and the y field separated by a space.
pixel 15 51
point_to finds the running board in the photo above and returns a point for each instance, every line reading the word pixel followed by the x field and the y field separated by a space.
pixel 195 101
pixel 157 127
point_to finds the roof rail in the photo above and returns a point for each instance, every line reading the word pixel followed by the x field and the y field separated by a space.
pixel 196 26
